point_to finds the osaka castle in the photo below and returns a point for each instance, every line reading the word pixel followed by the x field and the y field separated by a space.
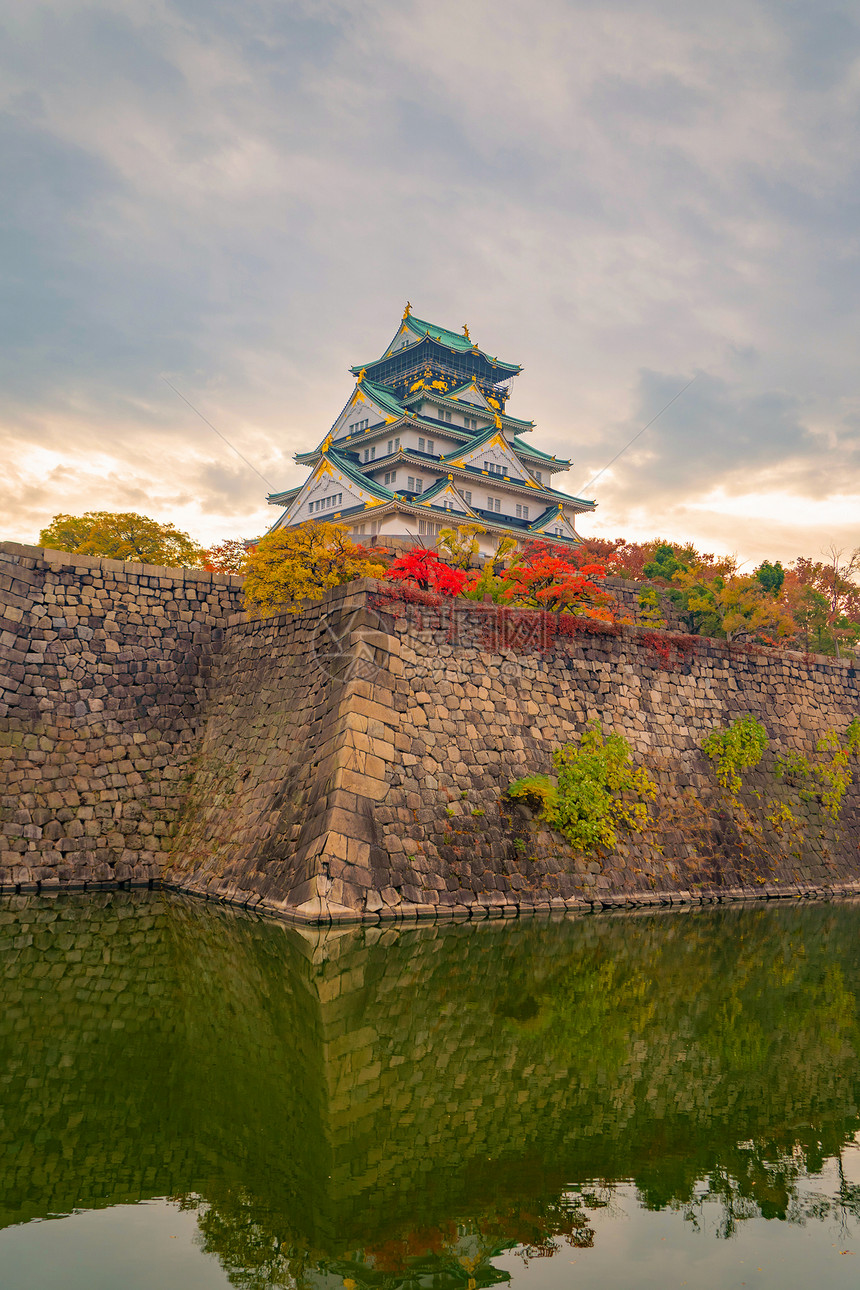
pixel 425 442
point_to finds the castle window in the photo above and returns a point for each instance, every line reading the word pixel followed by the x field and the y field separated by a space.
pixel 370 453
pixel 538 476
pixel 390 476
pixel 467 498
pixel 493 504
pixel 430 446
pixel 420 444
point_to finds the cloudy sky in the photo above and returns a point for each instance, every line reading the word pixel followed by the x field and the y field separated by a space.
pixel 239 196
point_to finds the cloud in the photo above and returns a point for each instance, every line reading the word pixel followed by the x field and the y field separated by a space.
pixel 241 196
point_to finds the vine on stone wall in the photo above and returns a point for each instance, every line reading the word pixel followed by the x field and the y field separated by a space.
pixel 738 747
pixel 672 649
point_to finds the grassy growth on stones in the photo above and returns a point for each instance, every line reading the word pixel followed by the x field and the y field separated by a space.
pixel 598 792
pixel 802 781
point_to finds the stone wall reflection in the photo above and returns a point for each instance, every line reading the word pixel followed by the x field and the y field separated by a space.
pixel 365 1105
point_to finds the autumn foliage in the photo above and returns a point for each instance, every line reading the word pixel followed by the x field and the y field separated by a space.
pixel 291 567
pixel 540 577
pixel 122 535
pixel 229 556
pixel 423 568
pixel 545 578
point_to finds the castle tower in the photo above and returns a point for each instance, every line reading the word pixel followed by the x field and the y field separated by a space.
pixel 425 442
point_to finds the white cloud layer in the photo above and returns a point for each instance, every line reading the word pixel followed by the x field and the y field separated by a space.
pixel 240 196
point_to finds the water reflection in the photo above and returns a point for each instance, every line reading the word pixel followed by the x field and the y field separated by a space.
pixel 377 1109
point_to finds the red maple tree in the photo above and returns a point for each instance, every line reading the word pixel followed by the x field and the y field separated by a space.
pixel 423 567
pixel 560 583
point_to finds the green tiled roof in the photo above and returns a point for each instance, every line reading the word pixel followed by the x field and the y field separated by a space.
pixel 462 405
pixel 518 446
pixel 451 339
pixel 383 397
pixel 364 481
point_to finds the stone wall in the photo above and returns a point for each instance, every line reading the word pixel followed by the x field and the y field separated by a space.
pixel 352 760
pixel 103 670
pixel 292 762
pixel 385 796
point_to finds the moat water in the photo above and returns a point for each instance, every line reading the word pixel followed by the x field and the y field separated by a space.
pixel 192 1098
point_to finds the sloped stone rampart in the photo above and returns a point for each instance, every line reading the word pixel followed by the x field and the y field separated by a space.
pixel 351 761
pixel 401 811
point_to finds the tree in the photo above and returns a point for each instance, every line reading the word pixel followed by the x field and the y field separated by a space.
pixel 425 570
pixel 728 607
pixel 460 545
pixel 694 595
pixel 833 579
pixel 771 577
pixel 229 556
pixel 122 535
pixel 624 559
pixel 747 608
pixel 665 564
pixel 561 583
pixel 291 567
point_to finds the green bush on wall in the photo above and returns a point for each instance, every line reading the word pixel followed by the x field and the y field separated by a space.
pixel 598 791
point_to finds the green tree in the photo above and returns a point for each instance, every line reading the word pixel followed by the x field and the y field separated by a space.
pixel 122 535
pixel 665 563
pixel 771 577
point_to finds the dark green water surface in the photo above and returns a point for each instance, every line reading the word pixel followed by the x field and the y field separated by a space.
pixel 193 1098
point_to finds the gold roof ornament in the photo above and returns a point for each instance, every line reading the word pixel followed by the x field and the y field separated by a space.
pixel 498 422
pixel 361 375
pixel 408 310
pixel 326 444
pixel 466 331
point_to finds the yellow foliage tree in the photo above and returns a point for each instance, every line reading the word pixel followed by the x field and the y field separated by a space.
pixel 459 546
pixel 122 535
pixel 733 607
pixel 290 567
pixel 748 610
